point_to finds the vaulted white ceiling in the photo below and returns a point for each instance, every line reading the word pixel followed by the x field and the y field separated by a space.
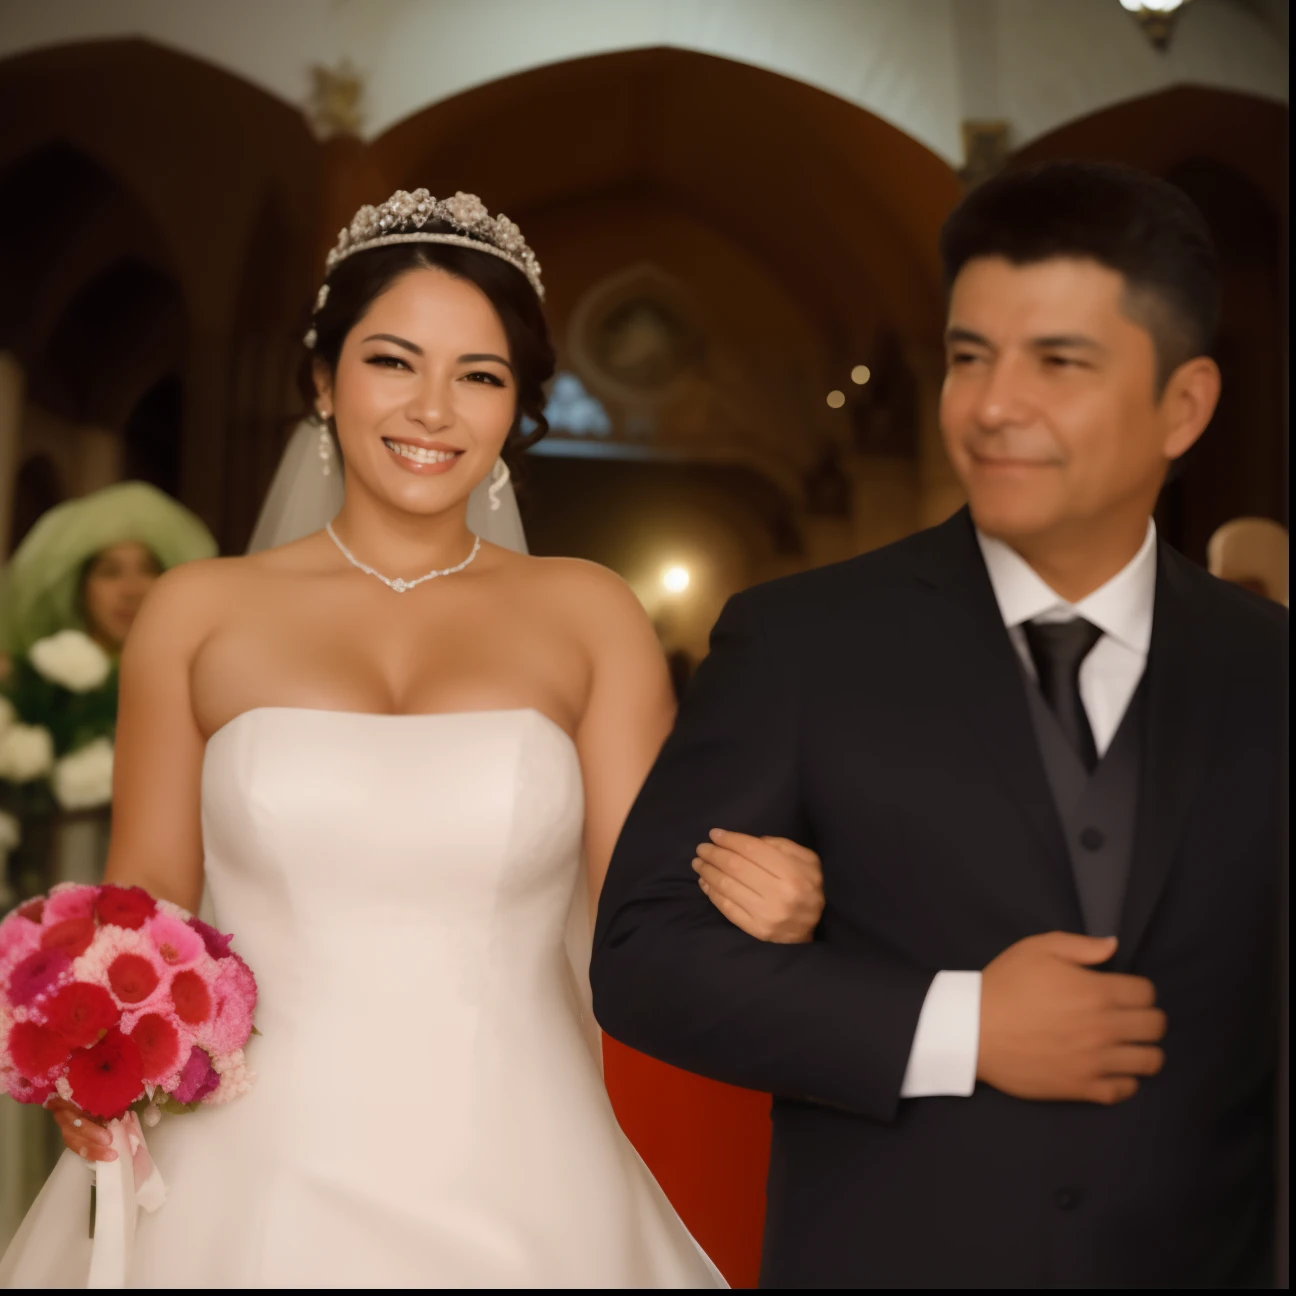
pixel 923 65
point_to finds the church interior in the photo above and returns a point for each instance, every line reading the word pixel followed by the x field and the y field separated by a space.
pixel 736 207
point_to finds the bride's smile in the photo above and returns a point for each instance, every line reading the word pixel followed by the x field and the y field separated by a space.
pixel 426 460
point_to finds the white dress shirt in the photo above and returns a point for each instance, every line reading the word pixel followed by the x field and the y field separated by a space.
pixel 943 1059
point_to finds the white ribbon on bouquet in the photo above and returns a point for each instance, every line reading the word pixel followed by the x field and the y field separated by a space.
pixel 122 1188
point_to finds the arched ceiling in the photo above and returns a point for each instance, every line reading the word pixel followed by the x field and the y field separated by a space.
pixel 195 147
pixel 1158 132
pixel 841 207
pixel 903 60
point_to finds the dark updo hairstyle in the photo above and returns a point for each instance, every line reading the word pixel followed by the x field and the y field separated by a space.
pixel 1145 229
pixel 360 279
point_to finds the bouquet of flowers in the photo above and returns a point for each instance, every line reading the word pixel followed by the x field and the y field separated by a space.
pixel 121 1003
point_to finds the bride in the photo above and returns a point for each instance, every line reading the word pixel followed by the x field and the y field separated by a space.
pixel 398 757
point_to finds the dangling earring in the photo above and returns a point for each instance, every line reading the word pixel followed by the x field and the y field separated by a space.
pixel 499 479
pixel 325 444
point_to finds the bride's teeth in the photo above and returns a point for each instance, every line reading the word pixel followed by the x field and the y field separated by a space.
pixel 417 453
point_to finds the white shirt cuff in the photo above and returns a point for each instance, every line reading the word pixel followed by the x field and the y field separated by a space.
pixel 943 1059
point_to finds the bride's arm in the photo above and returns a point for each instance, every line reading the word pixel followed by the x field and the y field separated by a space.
pixel 628 712
pixel 157 767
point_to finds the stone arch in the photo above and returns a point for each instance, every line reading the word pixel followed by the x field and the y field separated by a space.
pixel 121 331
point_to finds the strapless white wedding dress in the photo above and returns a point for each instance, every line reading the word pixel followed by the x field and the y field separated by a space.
pixel 429 1109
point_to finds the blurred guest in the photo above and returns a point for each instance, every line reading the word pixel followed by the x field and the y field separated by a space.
pixel 1251 552
pixel 87 565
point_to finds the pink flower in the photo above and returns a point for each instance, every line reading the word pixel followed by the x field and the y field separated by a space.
pixel 69 900
pixel 234 994
pixel 37 975
pixel 197 1079
pixel 32 909
pixel 177 944
pixel 19 937
pixel 22 1090
pixel 218 945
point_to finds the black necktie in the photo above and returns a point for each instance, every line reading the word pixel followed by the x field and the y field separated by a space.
pixel 1058 648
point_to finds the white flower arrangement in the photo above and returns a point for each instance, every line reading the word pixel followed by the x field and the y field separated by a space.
pixel 71 658
pixel 82 780
pixel 26 752
pixel 58 719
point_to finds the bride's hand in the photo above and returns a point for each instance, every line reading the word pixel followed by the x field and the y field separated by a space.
pixel 769 886
pixel 81 1133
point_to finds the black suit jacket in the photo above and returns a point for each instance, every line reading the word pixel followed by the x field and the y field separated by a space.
pixel 875 710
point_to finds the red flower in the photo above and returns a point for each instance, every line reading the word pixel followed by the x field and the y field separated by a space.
pixel 132 977
pixel 108 1077
pixel 36 1050
pixel 125 906
pixel 217 943
pixel 192 999
pixel 32 910
pixel 36 975
pixel 82 1013
pixel 72 936
pixel 159 1045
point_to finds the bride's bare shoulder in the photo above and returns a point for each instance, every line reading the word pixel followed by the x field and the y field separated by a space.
pixel 588 595
pixel 200 593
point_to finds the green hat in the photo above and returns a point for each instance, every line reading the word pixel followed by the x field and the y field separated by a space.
pixel 40 592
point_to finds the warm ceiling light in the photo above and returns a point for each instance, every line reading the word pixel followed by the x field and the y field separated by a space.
pixel 860 375
pixel 676 579
pixel 836 400
pixel 1156 17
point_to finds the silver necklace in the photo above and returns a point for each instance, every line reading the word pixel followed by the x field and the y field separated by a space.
pixel 400 586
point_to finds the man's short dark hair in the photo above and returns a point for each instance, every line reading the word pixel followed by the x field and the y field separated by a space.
pixel 1145 229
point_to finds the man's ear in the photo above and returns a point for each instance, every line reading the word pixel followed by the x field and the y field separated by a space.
pixel 1188 403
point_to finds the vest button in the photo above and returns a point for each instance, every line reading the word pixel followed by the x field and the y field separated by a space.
pixel 1092 839
pixel 1067 1198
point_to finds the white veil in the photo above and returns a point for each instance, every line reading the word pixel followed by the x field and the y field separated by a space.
pixel 301 499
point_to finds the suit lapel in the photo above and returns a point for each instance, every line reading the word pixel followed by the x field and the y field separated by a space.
pixel 1181 698
pixel 972 652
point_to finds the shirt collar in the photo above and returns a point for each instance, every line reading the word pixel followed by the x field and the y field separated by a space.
pixel 1122 608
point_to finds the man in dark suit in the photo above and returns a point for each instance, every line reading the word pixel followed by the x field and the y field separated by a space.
pixel 1035 1041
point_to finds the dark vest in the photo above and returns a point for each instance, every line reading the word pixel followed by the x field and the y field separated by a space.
pixel 1098 810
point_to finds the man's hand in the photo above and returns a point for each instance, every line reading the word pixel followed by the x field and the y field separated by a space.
pixel 769 886
pixel 1054 1029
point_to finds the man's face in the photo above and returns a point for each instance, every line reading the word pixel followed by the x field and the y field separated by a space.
pixel 1050 409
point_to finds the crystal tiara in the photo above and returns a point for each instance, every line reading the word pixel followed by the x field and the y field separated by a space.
pixel 401 220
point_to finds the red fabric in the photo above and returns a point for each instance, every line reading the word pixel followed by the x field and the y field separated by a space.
pixel 708 1145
